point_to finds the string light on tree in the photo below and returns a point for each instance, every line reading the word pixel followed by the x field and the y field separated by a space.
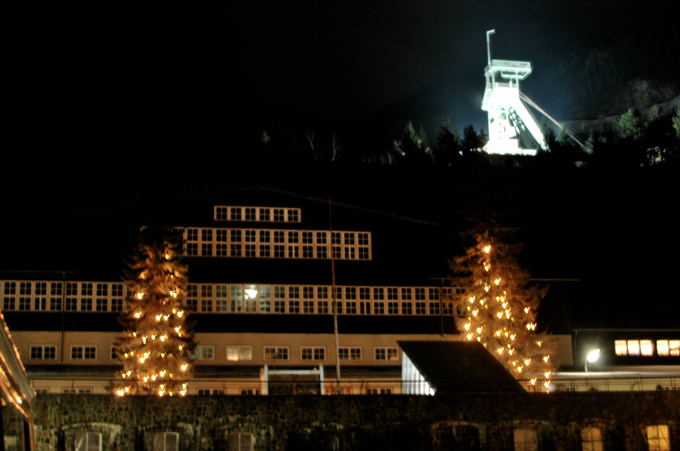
pixel 501 310
pixel 156 345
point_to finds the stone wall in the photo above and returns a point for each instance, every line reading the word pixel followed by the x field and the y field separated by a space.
pixel 355 422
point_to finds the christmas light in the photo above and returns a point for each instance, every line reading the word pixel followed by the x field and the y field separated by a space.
pixel 156 343
pixel 490 272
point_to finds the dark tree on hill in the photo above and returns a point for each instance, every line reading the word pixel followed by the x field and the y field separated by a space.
pixel 472 141
pixel 448 148
pixel 412 147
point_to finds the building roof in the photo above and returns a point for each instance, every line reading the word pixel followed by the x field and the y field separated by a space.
pixel 459 367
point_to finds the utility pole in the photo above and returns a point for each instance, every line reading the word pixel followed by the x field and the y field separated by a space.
pixel 333 300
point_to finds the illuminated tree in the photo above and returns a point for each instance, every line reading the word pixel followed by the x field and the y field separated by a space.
pixel 156 344
pixel 501 309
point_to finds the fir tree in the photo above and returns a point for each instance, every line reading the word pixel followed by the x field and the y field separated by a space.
pixel 501 309
pixel 156 344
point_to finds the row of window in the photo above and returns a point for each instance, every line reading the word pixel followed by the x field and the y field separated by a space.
pixel 271 243
pixel 237 298
pixel 647 348
pixel 592 439
pixel 256 214
pixel 78 352
pixel 233 353
pixel 44 288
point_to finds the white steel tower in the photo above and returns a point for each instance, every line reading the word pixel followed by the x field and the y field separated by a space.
pixel 512 128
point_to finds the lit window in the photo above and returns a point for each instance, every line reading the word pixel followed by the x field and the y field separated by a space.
pixel 658 438
pixel 633 347
pixel 591 439
pixel 239 353
pixel 620 347
pixel 674 348
pixel 646 347
pixel 525 440
pixel 662 347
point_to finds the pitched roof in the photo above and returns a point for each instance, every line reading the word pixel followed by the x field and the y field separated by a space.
pixel 459 367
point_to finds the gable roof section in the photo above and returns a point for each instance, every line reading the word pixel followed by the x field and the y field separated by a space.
pixel 459 367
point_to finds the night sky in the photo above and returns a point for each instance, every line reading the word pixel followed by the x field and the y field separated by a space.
pixel 93 80
pixel 112 106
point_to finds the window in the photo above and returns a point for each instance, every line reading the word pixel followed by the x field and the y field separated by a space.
pixel 240 441
pixel 41 288
pixel 192 234
pixel 165 441
pixel 205 352
pixel 25 288
pixel 220 213
pixel 591 439
pixel 235 214
pixel 278 215
pixel 86 304
pixel 221 235
pixel 55 304
pixel 275 353
pixel 10 287
pixel 24 303
pixel 525 440
pixel 102 305
pixel 294 215
pixel 378 293
pixel 393 308
pixel 387 353
pixel 88 441
pixel 363 253
pixel 309 353
pixel 666 348
pixel 322 307
pixel 250 214
pixel 349 353
pixel 8 304
pixel 265 214
pixel 43 352
pixel 83 352
pixel 658 438
pixel 239 353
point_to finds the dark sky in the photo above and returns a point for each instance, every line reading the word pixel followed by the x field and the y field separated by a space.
pixel 92 77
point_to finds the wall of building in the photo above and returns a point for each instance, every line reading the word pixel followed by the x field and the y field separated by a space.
pixel 357 422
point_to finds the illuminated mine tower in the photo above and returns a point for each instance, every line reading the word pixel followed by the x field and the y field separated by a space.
pixel 512 128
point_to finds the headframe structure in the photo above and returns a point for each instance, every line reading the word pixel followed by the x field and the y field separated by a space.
pixel 513 130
